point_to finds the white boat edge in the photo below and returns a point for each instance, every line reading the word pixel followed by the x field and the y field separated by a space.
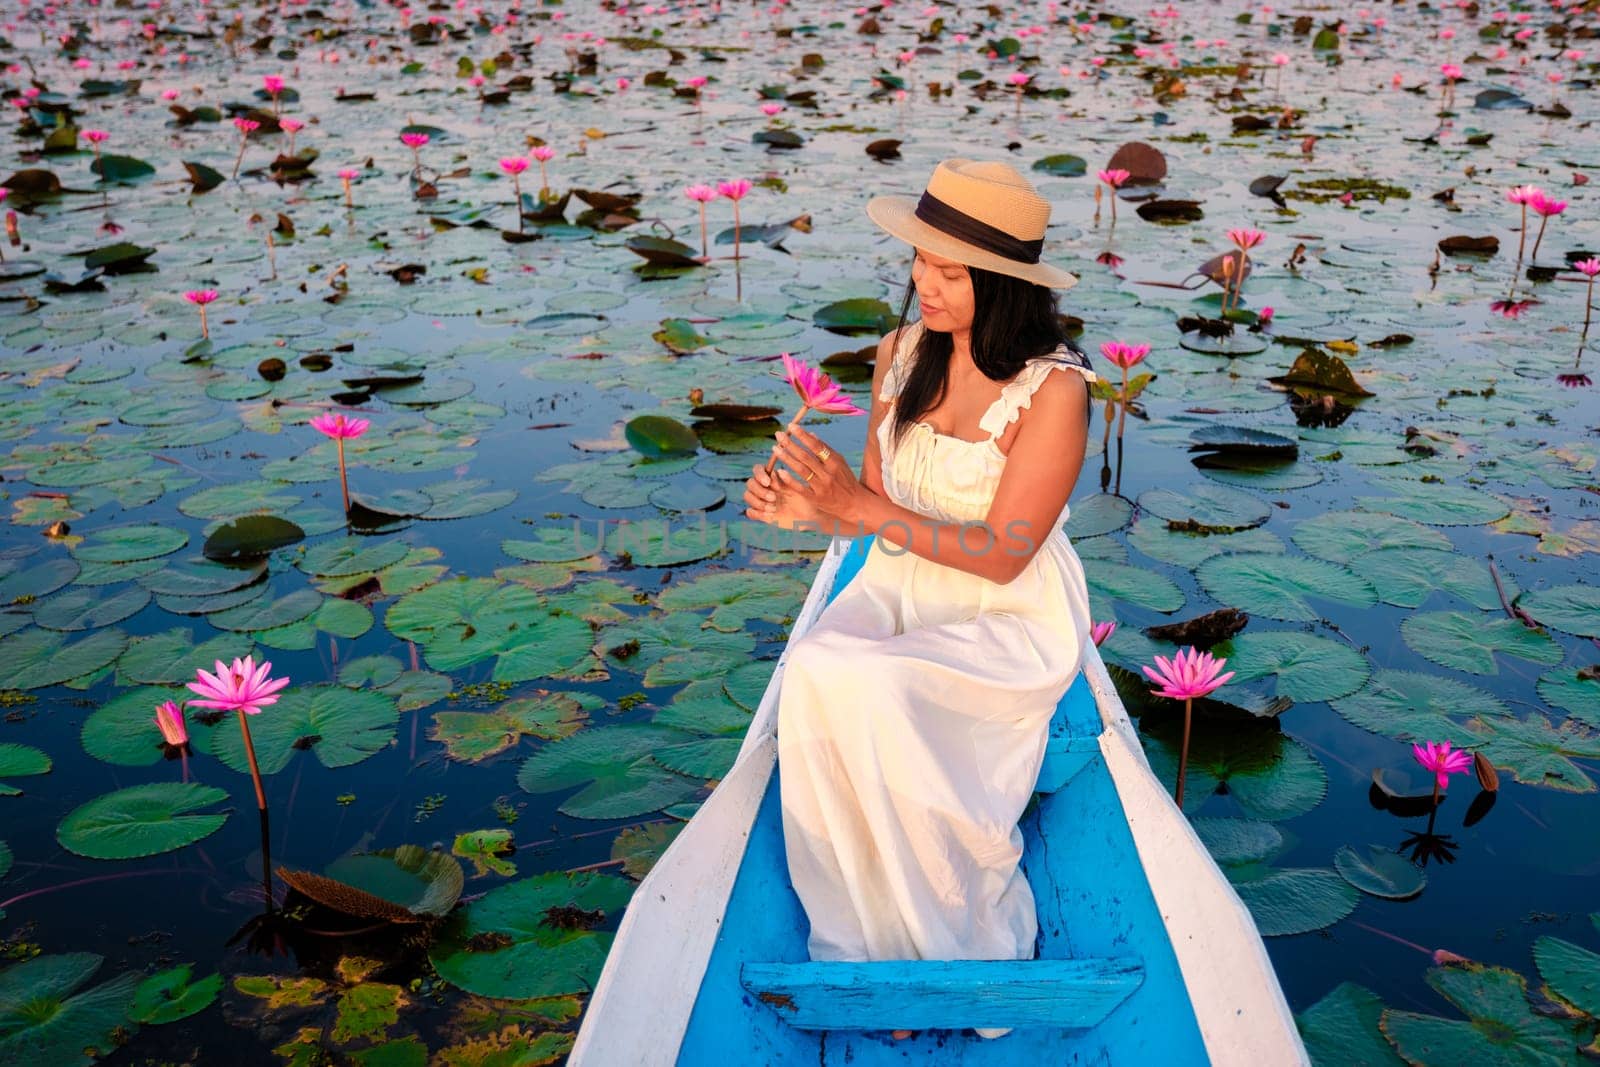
pixel 668 945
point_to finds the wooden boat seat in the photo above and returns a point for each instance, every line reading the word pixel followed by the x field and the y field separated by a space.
pixel 1069 994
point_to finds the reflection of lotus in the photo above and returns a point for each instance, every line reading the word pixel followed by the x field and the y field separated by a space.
pixel 1511 309
pixel 1574 381
pixel 1427 846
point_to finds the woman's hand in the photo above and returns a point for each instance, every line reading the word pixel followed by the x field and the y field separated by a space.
pixel 767 501
pixel 822 476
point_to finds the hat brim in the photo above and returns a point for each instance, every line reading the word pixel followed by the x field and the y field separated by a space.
pixel 896 215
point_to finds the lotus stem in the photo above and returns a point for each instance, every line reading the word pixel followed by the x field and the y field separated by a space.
pixel 703 246
pixel 772 460
pixel 19 898
pixel 1588 307
pixel 1122 406
pixel 1522 238
pixel 255 769
pixel 1183 754
pixel 344 487
pixel 516 188
pixel 544 181
pixel 1543 221
pixel 244 140
pixel 736 229
pixel 204 332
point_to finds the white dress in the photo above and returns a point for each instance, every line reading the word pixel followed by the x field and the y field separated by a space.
pixel 913 715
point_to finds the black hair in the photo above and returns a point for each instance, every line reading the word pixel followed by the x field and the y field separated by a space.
pixel 1014 321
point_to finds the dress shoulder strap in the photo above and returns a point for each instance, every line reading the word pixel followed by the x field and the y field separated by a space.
pixel 894 377
pixel 1017 394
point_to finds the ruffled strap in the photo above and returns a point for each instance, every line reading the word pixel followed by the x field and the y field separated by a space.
pixel 1017 394
pixel 894 377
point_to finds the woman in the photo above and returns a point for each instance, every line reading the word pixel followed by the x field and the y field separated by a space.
pixel 913 715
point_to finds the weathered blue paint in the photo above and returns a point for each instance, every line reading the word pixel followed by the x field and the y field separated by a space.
pixel 913 994
pixel 1093 903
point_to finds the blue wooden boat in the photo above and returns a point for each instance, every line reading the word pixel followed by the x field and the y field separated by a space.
pixel 1146 955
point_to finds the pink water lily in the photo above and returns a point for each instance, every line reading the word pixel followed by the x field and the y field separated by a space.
pixel 514 166
pixel 1546 206
pixel 200 298
pixel 1441 761
pixel 542 153
pixel 245 127
pixel 1125 356
pixel 1523 195
pixel 817 392
pixel 415 141
pixel 244 688
pixel 1102 630
pixel 347 175
pixel 703 194
pixel 735 190
pixel 341 428
pixel 1188 675
pixel 1113 178
pixel 1246 239
pixel 290 127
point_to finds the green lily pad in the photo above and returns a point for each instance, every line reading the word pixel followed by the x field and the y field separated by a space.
pixel 170 657
pixel 1441 505
pixel 660 544
pixel 1346 536
pixel 44 1020
pixel 1538 753
pixel 20 761
pixel 1501 1026
pixel 90 609
pixel 267 614
pixel 1469 642
pixel 1215 507
pixel 203 578
pixel 1308 667
pixel 1574 691
pixel 1097 515
pixel 530 938
pixel 1281 587
pixel 1297 900
pixel 141 820
pixel 37 658
pixel 1405 577
pixel 1236 841
pixel 420 882
pixel 353 555
pixel 622 780
pixel 675 648
pixel 250 537
pixel 660 435
pixel 1267 773
pixel 342 726
pixel 736 597
pixel 1135 585
pixel 35 582
pixel 471 619
pixel 471 736
pixel 1570 973
pixel 1382 872
pixel 124 544
pixel 639 847
pixel 486 850
pixel 1573 609
pixel 170 995
pixel 858 315
pixel 1342 1027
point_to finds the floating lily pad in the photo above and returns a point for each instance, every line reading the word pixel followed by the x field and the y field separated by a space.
pixel 1469 642
pixel 18 761
pixel 342 726
pixel 736 597
pixel 1281 587
pixel 1307 667
pixel 674 648
pixel 1342 1027
pixel 1573 609
pixel 1501 1026
pixel 531 938
pixel 170 995
pixel 37 658
pixel 123 544
pixel 1213 507
pixel 141 820
pixel 45 1020
pixel 622 780
pixel 406 884
pixel 1381 873
pixel 1297 901
pixel 1412 706
pixel 475 735
pixel 1570 972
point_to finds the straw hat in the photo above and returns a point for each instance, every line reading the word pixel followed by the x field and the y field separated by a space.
pixel 977 212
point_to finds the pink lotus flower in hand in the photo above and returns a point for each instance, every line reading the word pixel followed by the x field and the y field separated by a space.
pixel 816 390
pixel 338 425
pixel 1442 761
pixel 1102 630
pixel 169 718
pixel 243 687
pixel 1124 355
pixel 1246 239
pixel 1188 674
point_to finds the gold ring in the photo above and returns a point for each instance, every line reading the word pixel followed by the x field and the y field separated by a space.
pixel 825 454
pixel 809 474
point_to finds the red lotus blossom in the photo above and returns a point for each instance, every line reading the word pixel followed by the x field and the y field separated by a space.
pixel 169 719
pixel 1102 630
pixel 243 687
pixel 1188 674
